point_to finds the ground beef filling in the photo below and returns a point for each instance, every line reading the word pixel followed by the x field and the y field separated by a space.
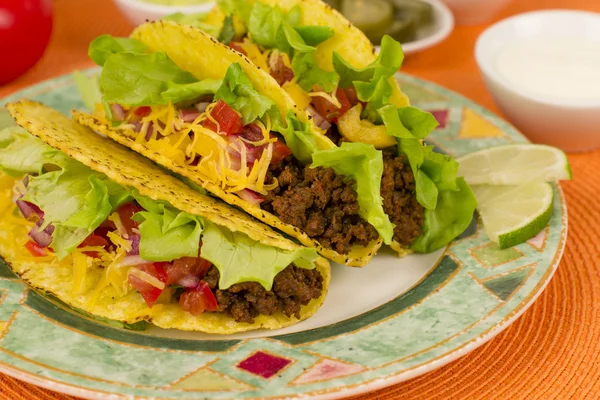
pixel 399 199
pixel 319 203
pixel 293 288
pixel 398 192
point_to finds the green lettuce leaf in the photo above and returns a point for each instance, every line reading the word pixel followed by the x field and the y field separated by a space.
pixel 307 73
pixel 450 218
pixel 241 259
pixel 167 233
pixel 75 199
pixel 314 35
pixel 364 164
pixel 89 89
pixel 227 31
pixel 240 8
pixel 264 24
pixel 372 82
pixel 240 94
pixel 297 136
pixel 196 20
pixel 141 79
pixel 105 46
pixel 177 92
pixel 22 153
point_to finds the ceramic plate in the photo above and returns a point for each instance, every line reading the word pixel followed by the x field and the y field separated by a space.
pixel 391 321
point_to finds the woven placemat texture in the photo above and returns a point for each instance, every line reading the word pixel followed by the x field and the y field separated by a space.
pixel 551 352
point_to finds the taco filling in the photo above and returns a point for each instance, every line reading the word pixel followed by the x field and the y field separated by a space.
pixel 236 139
pixel 166 255
pixel 353 100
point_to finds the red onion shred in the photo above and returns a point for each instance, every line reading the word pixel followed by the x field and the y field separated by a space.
pixel 118 112
pixel 251 196
pixel 188 114
pixel 28 209
pixel 320 122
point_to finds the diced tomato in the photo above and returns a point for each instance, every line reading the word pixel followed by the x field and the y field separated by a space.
pixel 280 152
pixel 329 111
pixel 35 249
pixel 238 47
pixel 187 271
pixel 198 300
pixel 351 95
pixel 93 241
pixel 126 212
pixel 149 292
pixel 143 111
pixel 230 122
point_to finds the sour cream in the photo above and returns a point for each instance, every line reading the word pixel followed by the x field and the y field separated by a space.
pixel 566 68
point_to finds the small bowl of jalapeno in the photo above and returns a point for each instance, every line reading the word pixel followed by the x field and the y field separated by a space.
pixel 417 24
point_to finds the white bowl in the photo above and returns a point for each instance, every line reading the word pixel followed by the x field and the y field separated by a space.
pixel 138 11
pixel 570 123
pixel 475 12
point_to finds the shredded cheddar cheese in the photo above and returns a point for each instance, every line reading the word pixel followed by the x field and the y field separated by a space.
pixel 219 159
pixel 147 278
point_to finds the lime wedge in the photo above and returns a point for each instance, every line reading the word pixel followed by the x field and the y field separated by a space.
pixel 514 165
pixel 514 214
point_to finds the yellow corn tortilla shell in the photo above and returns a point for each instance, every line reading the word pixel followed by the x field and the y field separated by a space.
pixel 204 57
pixel 131 170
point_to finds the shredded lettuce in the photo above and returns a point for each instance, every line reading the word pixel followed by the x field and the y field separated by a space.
pixel 307 73
pixel 196 20
pixel 75 199
pixel 166 233
pixel 372 82
pixel 105 46
pixel 241 259
pixel 448 201
pixel 240 94
pixel 364 164
pixel 451 217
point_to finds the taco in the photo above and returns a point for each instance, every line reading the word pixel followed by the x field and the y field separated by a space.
pixel 111 234
pixel 331 71
pixel 205 112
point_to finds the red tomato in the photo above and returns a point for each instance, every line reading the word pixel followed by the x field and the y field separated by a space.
pixel 142 111
pixel 93 241
pixel 196 301
pixel 238 47
pixel 187 271
pixel 35 249
pixel 25 28
pixel 280 151
pixel 229 121
pixel 351 95
pixel 329 111
pixel 126 211
pixel 149 292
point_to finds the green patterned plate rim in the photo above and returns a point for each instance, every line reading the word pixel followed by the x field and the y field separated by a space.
pixel 414 315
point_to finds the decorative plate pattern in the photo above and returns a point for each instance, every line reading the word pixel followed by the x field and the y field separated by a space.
pixel 434 312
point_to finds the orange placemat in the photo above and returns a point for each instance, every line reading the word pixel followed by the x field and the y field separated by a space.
pixel 551 352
